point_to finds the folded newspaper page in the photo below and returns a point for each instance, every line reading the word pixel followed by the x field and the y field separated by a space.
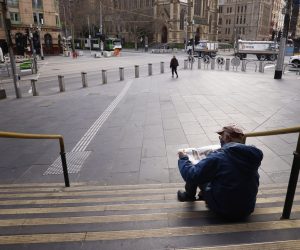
pixel 197 154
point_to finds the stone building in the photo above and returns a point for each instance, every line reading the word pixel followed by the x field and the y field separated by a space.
pixel 37 17
pixel 243 19
pixel 162 21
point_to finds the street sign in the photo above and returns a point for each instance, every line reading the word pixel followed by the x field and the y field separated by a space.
pixel 220 60
pixel 206 59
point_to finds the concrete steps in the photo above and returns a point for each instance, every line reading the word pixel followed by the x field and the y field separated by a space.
pixel 91 216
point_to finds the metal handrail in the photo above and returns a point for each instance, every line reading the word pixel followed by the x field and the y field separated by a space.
pixel 289 198
pixel 43 136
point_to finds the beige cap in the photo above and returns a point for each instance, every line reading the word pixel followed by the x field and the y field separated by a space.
pixel 231 129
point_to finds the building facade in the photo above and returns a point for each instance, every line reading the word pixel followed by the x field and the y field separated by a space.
pixel 160 21
pixel 243 19
pixel 33 22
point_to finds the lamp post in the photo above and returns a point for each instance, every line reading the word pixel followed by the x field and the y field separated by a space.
pixel 10 49
pixel 280 60
pixel 33 50
pixel 41 41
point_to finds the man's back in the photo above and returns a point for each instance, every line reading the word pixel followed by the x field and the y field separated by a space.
pixel 230 177
pixel 233 190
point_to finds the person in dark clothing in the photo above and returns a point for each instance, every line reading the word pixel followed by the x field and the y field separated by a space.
pixel 173 65
pixel 228 177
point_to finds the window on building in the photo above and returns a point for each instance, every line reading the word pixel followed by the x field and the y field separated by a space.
pixel 1 21
pixel 220 21
pixel 57 20
pixel 38 18
pixel 241 19
pixel 245 8
pixel 244 20
pixel 230 9
pixel 237 20
pixel 48 40
pixel 197 9
pixel 15 17
pixel 13 3
pixel 220 9
pixel 242 9
pixel 37 4
pixel 238 10
pixel 181 23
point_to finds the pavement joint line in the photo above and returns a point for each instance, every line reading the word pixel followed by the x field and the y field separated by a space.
pixel 82 144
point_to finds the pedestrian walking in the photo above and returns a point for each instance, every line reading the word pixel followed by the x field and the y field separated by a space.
pixel 173 65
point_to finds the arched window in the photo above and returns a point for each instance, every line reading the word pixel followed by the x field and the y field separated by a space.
pixel 48 40
pixel 182 15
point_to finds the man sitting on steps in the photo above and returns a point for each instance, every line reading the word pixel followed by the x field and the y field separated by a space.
pixel 228 177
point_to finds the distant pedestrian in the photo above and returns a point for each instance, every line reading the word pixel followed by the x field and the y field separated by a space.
pixel 173 65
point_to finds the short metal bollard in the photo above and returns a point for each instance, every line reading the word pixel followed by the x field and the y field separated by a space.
pixel 33 87
pixel 137 71
pixel 104 76
pixel 243 66
pixel 162 67
pixel 150 69
pixel 199 63
pixel 227 64
pixel 84 79
pixel 61 83
pixel 213 63
pixel 261 67
pixel 185 65
pixel 121 72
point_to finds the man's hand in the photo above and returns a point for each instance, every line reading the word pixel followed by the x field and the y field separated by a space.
pixel 181 154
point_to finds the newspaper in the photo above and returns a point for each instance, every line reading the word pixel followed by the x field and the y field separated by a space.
pixel 197 154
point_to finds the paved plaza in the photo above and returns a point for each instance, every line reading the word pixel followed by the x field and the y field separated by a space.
pixel 122 139
pixel 138 137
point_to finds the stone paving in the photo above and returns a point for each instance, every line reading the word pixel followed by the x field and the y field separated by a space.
pixel 139 139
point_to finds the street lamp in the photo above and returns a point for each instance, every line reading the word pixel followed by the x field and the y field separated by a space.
pixel 40 29
pixel 10 49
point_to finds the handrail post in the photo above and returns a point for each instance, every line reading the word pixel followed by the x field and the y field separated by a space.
pixel 121 73
pixel 162 67
pixel 61 83
pixel 150 69
pixel 289 198
pixel 104 76
pixel 64 162
pixel 33 87
pixel 84 79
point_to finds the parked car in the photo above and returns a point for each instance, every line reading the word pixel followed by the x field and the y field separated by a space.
pixel 295 61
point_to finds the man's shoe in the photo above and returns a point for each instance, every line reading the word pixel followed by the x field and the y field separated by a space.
pixel 177 76
pixel 183 196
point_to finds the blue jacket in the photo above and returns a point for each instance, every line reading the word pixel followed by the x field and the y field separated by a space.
pixel 231 175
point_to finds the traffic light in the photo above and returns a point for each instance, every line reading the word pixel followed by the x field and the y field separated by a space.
pixel 279 35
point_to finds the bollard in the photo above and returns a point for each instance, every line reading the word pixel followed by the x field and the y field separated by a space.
pixel 104 76
pixel 121 72
pixel 137 71
pixel 61 83
pixel 192 62
pixel 33 87
pixel 213 63
pixel 84 79
pixel 185 64
pixel 199 63
pixel 261 68
pixel 150 69
pixel 244 65
pixel 227 64
pixel 162 67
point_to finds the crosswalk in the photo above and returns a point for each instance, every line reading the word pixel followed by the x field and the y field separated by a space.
pixel 91 216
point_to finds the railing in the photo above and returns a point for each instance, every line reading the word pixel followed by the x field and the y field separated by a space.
pixel 289 198
pixel 43 136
